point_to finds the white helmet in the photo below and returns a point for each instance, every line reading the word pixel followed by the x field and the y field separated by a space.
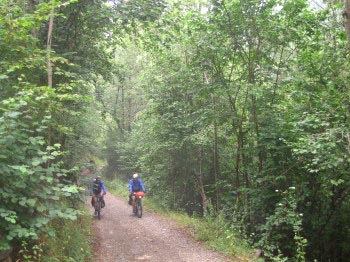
pixel 135 175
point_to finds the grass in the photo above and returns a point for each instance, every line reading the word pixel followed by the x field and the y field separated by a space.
pixel 213 231
pixel 72 241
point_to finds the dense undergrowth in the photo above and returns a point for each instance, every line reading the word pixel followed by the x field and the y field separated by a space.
pixel 70 241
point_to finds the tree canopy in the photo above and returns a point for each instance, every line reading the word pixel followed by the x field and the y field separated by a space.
pixel 237 109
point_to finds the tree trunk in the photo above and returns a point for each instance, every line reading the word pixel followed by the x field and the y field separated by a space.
pixel 123 109
pixel 49 65
pixel 257 132
pixel 199 177
pixel 346 16
pixel 216 159
pixel 48 47
pixel 173 173
pixel 32 11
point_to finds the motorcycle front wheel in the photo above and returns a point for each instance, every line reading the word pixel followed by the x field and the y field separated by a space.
pixel 139 208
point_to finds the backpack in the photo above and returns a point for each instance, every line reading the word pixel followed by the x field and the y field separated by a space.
pixel 96 188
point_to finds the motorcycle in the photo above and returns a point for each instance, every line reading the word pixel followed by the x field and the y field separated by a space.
pixel 97 203
pixel 137 207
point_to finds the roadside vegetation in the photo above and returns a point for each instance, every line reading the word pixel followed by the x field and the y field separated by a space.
pixel 72 240
pixel 66 241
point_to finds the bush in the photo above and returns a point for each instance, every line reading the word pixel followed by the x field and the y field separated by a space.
pixel 72 241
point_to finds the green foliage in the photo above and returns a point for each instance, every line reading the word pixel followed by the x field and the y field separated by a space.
pixel 141 10
pixel 44 130
pixel 215 102
pixel 33 183
pixel 119 187
pixel 284 223
pixel 72 240
pixel 81 32
pixel 30 254
pixel 238 98
pixel 220 234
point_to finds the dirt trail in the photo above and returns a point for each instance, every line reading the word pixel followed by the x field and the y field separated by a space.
pixel 121 236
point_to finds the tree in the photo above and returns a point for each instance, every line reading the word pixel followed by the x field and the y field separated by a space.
pixel 42 101
pixel 241 102
pixel 346 15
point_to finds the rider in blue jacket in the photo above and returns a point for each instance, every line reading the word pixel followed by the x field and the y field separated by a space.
pixel 98 188
pixel 135 185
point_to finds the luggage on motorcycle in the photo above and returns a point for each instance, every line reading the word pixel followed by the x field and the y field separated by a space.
pixel 139 194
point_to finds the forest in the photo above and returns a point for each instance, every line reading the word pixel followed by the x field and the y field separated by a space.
pixel 237 109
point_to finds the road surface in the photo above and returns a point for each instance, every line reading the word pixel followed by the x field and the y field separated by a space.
pixel 121 236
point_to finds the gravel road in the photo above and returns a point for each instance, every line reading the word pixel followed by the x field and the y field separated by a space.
pixel 121 236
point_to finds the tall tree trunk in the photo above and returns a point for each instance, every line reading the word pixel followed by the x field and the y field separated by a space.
pixel 200 183
pixel 255 119
pixel 129 114
pixel 48 47
pixel 123 109
pixel 216 159
pixel 238 160
pixel 32 11
pixel 215 149
pixel 49 65
pixel 346 16
pixel 173 174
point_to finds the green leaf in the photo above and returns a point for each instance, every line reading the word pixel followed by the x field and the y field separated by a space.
pixel 36 162
pixel 31 202
pixel 23 202
pixel 14 114
pixel 41 208
pixel 3 77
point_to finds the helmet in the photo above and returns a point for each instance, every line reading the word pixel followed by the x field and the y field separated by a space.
pixel 135 175
pixel 98 178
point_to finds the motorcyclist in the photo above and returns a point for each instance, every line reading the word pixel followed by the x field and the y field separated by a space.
pixel 135 185
pixel 98 188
